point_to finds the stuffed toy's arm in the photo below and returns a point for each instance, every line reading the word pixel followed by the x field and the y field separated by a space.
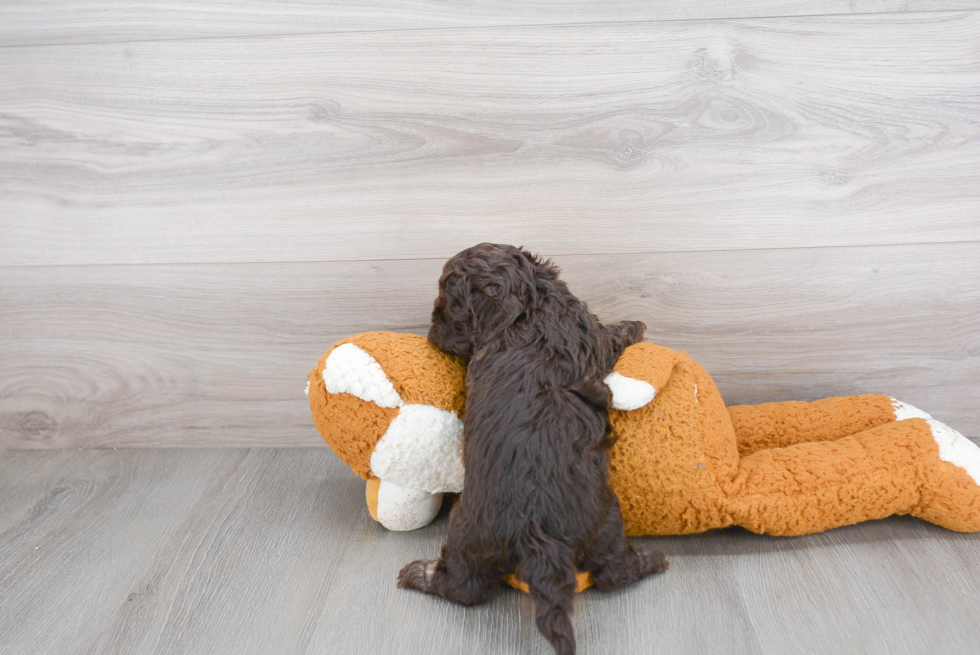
pixel 641 371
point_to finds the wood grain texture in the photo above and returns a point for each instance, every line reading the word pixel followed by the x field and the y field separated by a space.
pixel 95 21
pixel 635 137
pixel 893 614
pixel 22 495
pixel 199 355
pixel 248 571
pixel 277 554
pixel 93 529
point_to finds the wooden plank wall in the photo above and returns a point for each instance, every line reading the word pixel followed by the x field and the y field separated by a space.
pixel 196 201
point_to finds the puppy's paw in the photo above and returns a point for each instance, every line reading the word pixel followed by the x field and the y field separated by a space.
pixel 652 561
pixel 417 575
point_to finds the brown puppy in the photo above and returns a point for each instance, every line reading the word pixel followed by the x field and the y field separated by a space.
pixel 536 501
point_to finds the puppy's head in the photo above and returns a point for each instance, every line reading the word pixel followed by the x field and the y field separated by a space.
pixel 483 291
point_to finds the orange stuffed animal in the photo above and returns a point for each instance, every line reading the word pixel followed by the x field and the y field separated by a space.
pixel 390 405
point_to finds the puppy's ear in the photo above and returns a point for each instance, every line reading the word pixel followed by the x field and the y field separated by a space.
pixel 453 319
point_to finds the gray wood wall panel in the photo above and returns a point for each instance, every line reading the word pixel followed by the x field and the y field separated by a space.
pixel 205 355
pixel 93 21
pixel 634 137
pixel 272 551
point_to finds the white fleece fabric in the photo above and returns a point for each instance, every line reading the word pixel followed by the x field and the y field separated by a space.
pixel 350 369
pixel 953 446
pixel 422 449
pixel 629 393
pixel 401 508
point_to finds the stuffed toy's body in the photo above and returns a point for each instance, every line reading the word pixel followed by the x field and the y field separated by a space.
pixel 390 405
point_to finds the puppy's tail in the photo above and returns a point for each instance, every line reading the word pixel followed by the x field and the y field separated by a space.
pixel 548 568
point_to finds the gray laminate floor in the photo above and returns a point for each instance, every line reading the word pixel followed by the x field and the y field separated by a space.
pixel 272 551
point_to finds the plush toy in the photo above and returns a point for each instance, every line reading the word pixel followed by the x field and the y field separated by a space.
pixel 390 405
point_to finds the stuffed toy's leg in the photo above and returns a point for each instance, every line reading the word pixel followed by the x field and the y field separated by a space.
pixel 914 466
pixel 775 425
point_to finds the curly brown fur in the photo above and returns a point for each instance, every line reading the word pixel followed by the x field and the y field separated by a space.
pixel 537 500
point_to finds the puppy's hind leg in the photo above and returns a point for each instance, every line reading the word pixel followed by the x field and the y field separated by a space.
pixel 613 561
pixel 451 576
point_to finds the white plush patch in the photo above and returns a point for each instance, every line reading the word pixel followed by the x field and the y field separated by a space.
pixel 956 449
pixel 422 449
pixel 629 393
pixel 904 411
pixel 351 370
pixel 307 387
pixel 403 508
pixel 953 446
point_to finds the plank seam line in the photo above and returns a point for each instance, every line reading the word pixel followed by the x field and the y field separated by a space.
pixel 492 27
pixel 440 259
